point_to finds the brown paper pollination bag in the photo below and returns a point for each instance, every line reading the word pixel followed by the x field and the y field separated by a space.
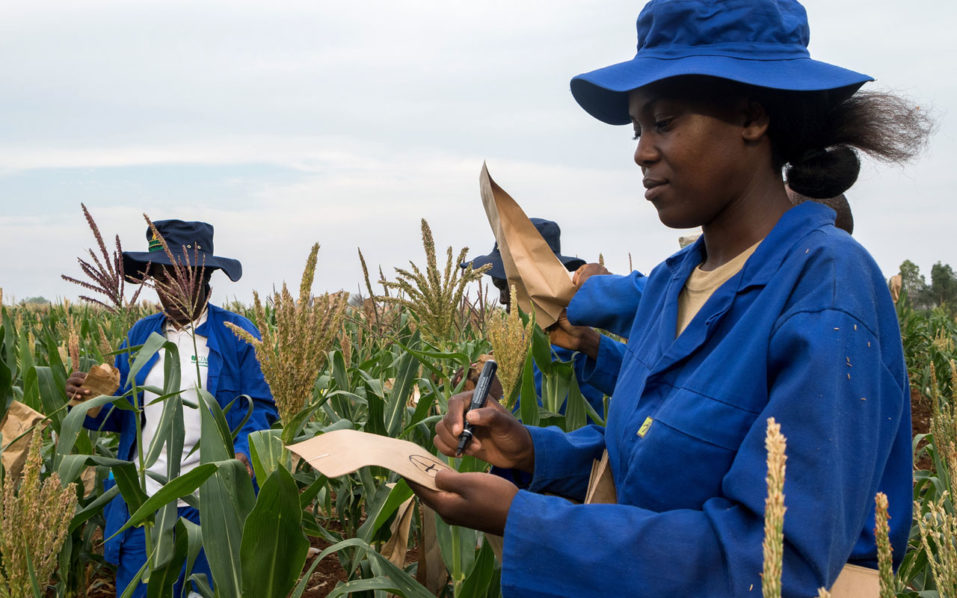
pixel 18 419
pixel 541 280
pixel 102 379
pixel 340 452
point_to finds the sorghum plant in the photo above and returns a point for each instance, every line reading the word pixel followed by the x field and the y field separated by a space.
pixel 33 525
pixel 105 272
pixel 510 340
pixel 432 297
pixel 774 509
pixel 882 536
pixel 293 352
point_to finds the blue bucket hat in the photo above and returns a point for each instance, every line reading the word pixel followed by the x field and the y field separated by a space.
pixel 552 235
pixel 190 243
pixel 757 42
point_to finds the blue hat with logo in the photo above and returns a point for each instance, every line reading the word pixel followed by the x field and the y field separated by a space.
pixel 552 235
pixel 191 244
pixel 756 42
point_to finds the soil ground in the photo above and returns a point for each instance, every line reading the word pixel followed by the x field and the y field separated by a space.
pixel 327 574
pixel 330 571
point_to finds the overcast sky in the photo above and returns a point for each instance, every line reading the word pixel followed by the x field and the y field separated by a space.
pixel 344 123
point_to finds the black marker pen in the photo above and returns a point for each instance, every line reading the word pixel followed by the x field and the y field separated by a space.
pixel 478 399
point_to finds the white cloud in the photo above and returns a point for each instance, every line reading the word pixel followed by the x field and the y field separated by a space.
pixel 375 114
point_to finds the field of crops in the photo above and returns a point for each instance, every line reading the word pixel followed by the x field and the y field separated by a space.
pixel 385 364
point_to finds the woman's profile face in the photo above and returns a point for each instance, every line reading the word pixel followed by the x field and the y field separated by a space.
pixel 692 153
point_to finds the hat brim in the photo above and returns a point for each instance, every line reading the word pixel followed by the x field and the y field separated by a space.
pixel 498 268
pixel 495 259
pixel 603 93
pixel 135 262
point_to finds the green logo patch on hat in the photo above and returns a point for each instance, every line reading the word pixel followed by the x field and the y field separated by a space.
pixel 155 244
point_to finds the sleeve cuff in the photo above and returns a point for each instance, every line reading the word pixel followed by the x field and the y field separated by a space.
pixel 563 461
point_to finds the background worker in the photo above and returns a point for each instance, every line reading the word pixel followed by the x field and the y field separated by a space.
pixel 551 232
pixel 211 358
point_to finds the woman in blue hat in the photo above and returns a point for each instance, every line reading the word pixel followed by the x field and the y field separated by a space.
pixel 773 312
pixel 211 357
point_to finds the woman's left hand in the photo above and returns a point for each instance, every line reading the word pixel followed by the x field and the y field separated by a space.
pixel 477 500
pixel 577 338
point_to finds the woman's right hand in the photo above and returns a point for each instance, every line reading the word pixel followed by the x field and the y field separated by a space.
pixel 497 436
pixel 586 271
pixel 74 386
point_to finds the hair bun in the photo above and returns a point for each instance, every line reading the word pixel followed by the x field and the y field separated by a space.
pixel 822 174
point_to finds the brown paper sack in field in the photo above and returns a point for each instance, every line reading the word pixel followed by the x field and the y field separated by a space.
pixel 344 451
pixel 541 280
pixel 18 419
pixel 102 379
pixel 397 546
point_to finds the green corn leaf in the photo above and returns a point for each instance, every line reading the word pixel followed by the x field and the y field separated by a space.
pixel 457 546
pixel 528 404
pixel 541 350
pixel 294 426
pixel 41 392
pixel 273 549
pixel 6 384
pixel 71 466
pixel 170 432
pixel 202 585
pixel 376 421
pixel 84 514
pixel 194 544
pixel 575 404
pixel 402 584
pixel 51 342
pixel 163 576
pixel 376 584
pixel 480 576
pixel 304 580
pixel 382 507
pixel 34 585
pixel 26 351
pixel 164 540
pixel 555 384
pixel 216 442
pixel 8 361
pixel 429 358
pixel 73 423
pixel 395 407
pixel 267 453
pixel 172 491
pixel 225 499
pixel 143 354
pixel 339 371
pixel 249 413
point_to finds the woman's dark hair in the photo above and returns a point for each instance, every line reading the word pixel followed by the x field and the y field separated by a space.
pixel 817 135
